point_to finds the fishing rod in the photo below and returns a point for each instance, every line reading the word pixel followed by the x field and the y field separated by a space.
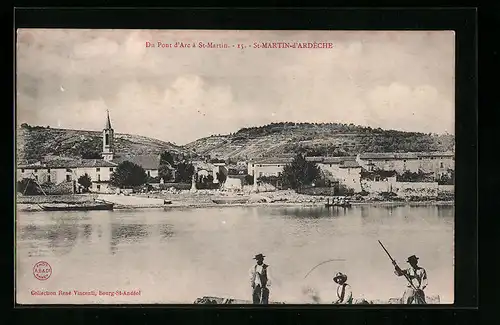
pixel 404 273
pixel 324 262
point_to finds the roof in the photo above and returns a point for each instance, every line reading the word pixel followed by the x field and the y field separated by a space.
pixel 436 154
pixel 273 160
pixel 403 155
pixel 70 163
pixel 388 155
pixel 201 165
pixel 145 161
pixel 316 159
pixel 349 164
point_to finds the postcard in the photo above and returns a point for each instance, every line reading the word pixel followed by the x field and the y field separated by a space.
pixel 234 167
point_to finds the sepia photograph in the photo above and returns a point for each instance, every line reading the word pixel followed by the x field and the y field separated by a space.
pixel 234 167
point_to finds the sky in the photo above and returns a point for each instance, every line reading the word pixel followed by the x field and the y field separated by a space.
pixel 403 80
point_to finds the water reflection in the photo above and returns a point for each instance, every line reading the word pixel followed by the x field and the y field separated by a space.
pixel 87 231
pixel 314 212
pixel 130 233
pixel 178 249
pixel 57 238
pixel 166 231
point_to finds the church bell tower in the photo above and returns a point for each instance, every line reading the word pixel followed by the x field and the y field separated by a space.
pixel 107 140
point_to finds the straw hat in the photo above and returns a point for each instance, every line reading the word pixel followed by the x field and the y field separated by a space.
pixel 340 276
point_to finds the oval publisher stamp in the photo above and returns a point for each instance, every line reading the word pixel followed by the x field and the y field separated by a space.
pixel 42 270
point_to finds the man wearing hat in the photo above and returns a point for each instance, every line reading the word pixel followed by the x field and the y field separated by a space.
pixel 260 281
pixel 344 292
pixel 418 277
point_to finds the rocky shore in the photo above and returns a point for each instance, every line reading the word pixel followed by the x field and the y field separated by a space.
pixel 204 198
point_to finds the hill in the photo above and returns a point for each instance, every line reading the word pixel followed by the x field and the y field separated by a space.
pixel 34 142
pixel 316 139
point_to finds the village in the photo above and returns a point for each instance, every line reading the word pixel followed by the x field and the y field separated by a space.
pixel 411 176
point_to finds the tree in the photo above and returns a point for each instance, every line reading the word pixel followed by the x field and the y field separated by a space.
pixel 209 178
pixel 249 179
pixel 85 181
pixel 128 174
pixel 28 186
pixel 167 158
pixel 165 172
pixel 221 177
pixel 88 154
pixel 185 172
pixel 300 172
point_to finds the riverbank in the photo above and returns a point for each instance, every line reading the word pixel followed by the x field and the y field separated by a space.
pixel 203 199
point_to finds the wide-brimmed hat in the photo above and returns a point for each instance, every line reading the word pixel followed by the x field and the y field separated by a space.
pixel 339 276
pixel 259 257
pixel 412 258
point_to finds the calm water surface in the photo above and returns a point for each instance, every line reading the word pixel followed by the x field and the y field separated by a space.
pixel 178 255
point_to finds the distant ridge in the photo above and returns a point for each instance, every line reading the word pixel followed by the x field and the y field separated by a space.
pixel 334 139
pixel 35 142
pixel 275 139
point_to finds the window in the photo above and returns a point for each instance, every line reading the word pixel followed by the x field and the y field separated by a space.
pixel 260 174
pixel 68 178
pixel 68 170
pixel 98 187
pixel 48 170
pixel 48 178
pixel 98 177
pixel 149 173
pixel 111 169
pixel 36 177
pixel 253 165
pixel 97 169
pixel 404 160
pixel 22 170
pixel 107 139
pixel 36 170
pixel 440 165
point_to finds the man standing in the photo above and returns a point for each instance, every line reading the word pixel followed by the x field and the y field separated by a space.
pixel 418 277
pixel 259 280
pixel 344 293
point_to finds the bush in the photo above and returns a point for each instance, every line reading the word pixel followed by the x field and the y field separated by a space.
pixel 388 195
pixel 249 179
pixel 344 190
pixel 85 181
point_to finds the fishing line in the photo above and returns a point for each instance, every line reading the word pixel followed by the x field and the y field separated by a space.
pixel 332 260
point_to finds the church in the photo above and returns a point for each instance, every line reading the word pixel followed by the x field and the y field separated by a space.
pixel 66 170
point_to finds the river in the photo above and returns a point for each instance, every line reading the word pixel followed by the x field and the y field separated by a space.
pixel 178 255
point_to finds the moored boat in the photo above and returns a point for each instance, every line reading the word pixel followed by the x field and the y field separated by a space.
pixel 84 206
pixel 231 200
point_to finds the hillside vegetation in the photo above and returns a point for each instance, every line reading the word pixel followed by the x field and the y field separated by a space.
pixel 317 139
pixel 34 142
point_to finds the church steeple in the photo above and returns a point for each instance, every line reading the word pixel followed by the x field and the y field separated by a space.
pixel 108 122
pixel 107 140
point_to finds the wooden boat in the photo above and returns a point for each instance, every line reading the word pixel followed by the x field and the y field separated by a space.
pixel 84 206
pixel 231 200
pixel 208 300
